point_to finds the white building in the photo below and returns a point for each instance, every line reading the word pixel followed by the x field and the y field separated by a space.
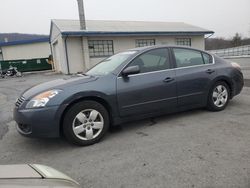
pixel 75 50
pixel 25 49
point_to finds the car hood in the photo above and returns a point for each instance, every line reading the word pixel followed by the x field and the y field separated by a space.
pixel 57 84
pixel 28 172
pixel 18 171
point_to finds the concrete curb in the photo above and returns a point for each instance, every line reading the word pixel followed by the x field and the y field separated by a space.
pixel 46 72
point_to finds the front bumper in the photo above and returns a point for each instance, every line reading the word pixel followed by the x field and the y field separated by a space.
pixel 41 122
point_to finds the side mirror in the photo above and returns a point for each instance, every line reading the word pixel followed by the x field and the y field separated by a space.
pixel 131 70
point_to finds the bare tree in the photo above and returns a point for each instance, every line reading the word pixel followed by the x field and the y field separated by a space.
pixel 237 40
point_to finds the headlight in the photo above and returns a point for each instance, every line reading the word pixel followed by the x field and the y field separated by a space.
pixel 42 99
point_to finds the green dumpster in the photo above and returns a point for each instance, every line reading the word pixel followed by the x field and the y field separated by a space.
pixel 27 65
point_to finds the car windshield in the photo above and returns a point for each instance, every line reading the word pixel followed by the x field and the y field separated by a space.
pixel 110 64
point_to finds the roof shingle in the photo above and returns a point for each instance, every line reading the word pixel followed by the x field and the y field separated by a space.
pixel 127 26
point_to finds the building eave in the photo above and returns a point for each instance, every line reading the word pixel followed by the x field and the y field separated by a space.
pixel 142 33
pixel 20 42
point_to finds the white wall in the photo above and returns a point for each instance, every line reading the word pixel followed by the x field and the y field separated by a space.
pixel 59 56
pixel 74 51
pixel 26 51
pixel 86 58
pixel 124 43
pixel 55 32
pixel 198 42
pixel 58 49
pixel 78 54
pixel 75 54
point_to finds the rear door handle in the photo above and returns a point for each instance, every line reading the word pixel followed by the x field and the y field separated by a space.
pixel 210 71
pixel 168 79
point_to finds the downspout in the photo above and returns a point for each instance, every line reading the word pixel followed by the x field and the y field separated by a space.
pixel 51 53
pixel 2 60
pixel 2 52
pixel 66 53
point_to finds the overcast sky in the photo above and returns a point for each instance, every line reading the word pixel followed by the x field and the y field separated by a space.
pixel 225 17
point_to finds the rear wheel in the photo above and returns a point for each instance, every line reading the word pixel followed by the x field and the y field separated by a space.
pixel 218 97
pixel 85 123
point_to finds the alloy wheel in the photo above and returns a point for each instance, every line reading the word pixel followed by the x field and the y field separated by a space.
pixel 88 124
pixel 220 96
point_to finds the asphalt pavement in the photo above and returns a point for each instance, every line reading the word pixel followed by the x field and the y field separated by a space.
pixel 191 149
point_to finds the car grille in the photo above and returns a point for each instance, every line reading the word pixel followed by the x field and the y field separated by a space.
pixel 20 101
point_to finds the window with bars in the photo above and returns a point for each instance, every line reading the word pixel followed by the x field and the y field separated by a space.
pixel 100 48
pixel 144 42
pixel 183 41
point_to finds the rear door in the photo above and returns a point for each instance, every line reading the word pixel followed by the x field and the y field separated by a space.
pixel 194 72
pixel 152 90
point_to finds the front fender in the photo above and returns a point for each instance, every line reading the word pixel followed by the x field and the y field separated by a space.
pixel 109 101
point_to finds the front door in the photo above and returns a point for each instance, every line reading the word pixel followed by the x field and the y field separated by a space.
pixel 151 90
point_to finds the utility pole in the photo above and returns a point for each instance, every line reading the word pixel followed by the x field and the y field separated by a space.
pixel 249 31
pixel 81 15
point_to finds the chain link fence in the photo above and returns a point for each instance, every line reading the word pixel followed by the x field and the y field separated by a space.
pixel 236 51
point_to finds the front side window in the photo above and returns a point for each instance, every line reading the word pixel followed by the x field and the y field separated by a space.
pixel 144 42
pixel 100 48
pixel 183 41
pixel 187 57
pixel 153 60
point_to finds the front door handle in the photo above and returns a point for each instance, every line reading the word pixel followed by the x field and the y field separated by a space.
pixel 210 71
pixel 168 79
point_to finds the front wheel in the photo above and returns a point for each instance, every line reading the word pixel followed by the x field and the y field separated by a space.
pixel 85 123
pixel 18 74
pixel 218 97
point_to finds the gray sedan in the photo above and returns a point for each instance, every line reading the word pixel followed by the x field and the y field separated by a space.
pixel 135 84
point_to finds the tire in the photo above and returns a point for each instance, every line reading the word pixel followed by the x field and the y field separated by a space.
pixel 218 97
pixel 85 123
pixel 18 74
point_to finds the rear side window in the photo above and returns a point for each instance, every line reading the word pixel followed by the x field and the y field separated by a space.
pixel 153 60
pixel 188 57
pixel 207 58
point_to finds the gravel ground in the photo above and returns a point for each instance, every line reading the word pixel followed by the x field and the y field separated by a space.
pixel 190 149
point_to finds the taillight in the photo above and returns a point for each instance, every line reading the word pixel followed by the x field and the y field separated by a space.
pixel 236 65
